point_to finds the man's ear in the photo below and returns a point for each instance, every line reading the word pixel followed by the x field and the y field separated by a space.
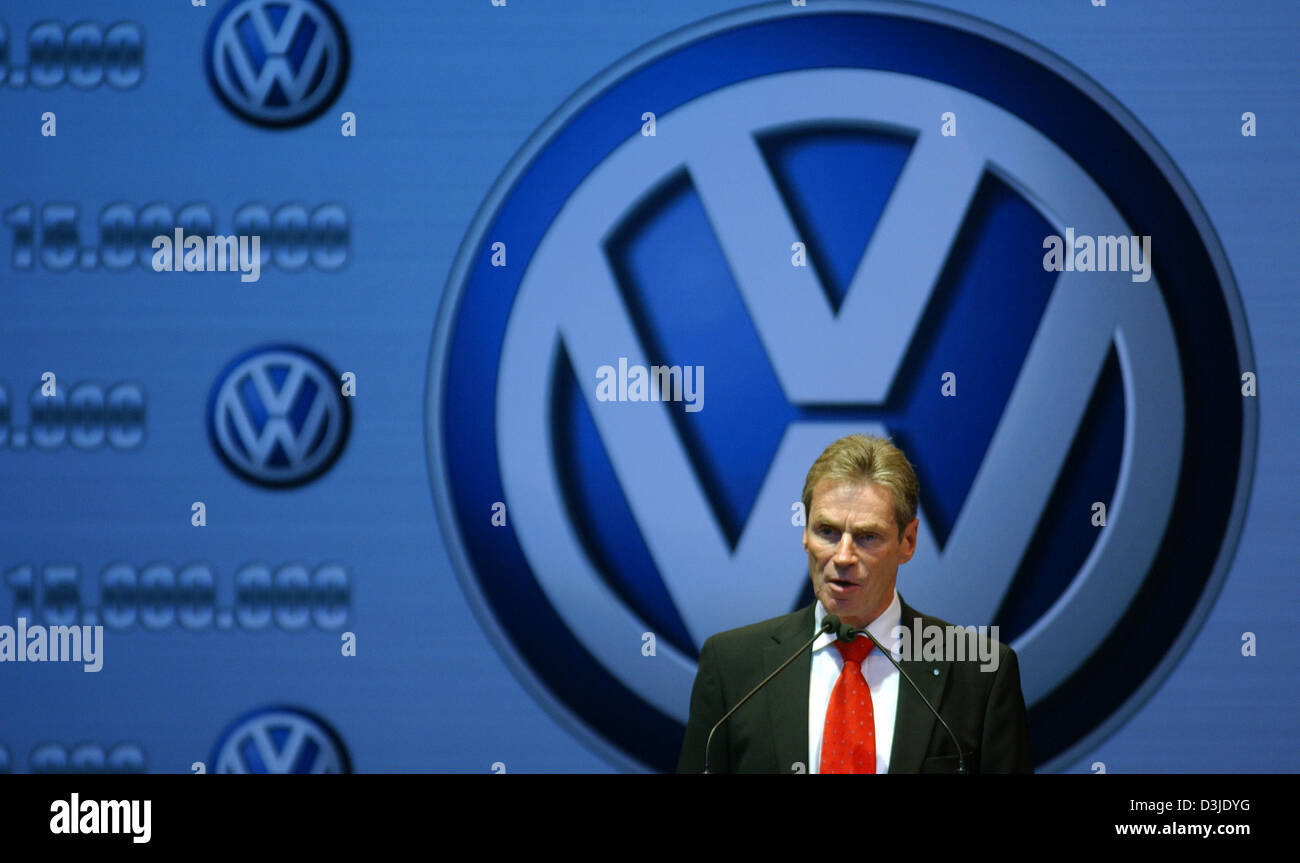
pixel 908 542
pixel 803 537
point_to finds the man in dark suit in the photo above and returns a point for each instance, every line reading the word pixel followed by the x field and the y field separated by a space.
pixel 839 708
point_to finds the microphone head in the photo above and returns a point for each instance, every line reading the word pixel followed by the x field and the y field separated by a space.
pixel 844 632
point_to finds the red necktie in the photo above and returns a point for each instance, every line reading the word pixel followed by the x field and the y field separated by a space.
pixel 849 736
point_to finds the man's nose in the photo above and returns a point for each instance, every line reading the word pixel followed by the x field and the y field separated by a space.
pixel 844 551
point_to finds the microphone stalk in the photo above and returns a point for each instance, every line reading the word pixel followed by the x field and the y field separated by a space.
pixel 830 623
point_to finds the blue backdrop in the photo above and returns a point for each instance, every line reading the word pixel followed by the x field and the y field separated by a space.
pixel 395 433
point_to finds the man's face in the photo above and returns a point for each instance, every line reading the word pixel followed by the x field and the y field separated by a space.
pixel 854 549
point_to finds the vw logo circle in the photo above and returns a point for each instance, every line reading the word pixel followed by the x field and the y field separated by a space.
pixel 652 220
pixel 280 740
pixel 277 62
pixel 276 416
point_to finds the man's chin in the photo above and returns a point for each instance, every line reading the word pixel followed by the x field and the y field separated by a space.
pixel 850 613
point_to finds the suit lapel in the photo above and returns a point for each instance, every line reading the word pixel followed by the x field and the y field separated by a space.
pixel 787 694
pixel 914 723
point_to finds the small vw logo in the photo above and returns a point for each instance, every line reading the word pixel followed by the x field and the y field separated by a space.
pixel 276 416
pixel 280 740
pixel 277 63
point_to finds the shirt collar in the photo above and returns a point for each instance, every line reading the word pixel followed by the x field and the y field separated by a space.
pixel 882 627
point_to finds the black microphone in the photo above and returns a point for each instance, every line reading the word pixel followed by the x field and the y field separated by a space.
pixel 830 623
pixel 845 632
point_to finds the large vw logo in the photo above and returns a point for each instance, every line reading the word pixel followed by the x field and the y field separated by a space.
pixel 778 130
pixel 280 740
pixel 277 62
pixel 276 416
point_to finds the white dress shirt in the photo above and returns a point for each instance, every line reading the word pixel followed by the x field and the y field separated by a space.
pixel 881 675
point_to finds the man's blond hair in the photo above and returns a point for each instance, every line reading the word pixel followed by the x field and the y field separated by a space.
pixel 863 458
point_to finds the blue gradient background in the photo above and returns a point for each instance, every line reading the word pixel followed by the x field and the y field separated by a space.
pixel 445 94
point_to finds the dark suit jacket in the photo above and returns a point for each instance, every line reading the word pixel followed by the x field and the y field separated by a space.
pixel 769 734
